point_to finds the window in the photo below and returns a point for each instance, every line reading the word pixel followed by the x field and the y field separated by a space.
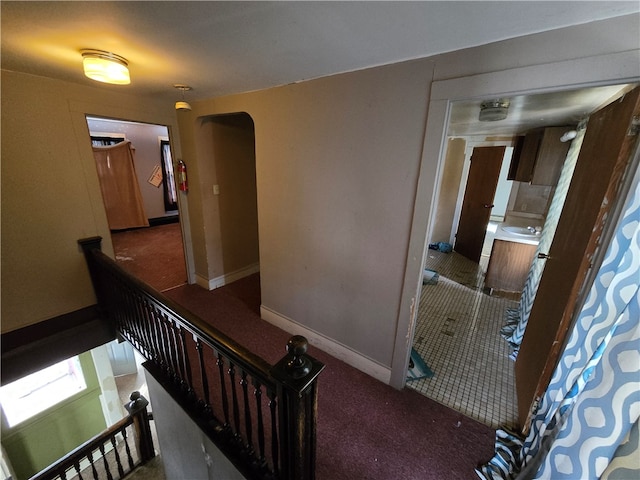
pixel 169 184
pixel 39 391
pixel 105 141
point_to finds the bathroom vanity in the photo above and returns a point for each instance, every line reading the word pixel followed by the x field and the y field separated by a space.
pixel 511 256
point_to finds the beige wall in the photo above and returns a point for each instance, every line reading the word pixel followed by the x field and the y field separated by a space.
pixel 50 192
pixel 337 161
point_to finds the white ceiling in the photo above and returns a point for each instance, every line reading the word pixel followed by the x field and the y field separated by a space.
pixel 527 112
pixel 221 48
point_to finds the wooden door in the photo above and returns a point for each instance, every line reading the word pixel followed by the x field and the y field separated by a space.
pixel 478 200
pixel 604 157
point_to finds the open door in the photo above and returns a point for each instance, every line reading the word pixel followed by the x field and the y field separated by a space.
pixel 478 200
pixel 603 160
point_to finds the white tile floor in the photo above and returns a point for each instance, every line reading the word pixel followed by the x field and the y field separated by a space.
pixel 458 336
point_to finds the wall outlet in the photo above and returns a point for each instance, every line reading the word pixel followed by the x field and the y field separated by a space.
pixel 216 189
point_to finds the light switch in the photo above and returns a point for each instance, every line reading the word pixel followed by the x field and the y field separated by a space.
pixel 216 189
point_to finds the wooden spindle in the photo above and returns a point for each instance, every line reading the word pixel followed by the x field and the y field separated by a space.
pixel 273 409
pixel 117 455
pixel 258 396
pixel 234 397
pixel 127 449
pixel 203 375
pixel 248 426
pixel 223 390
pixel 94 472
pixel 105 463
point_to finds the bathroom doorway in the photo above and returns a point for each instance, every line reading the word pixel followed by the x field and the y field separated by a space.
pixel 464 320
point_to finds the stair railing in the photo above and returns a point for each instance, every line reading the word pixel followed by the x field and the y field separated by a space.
pixel 262 417
pixel 108 455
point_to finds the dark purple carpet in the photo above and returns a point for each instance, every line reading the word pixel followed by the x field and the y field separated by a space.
pixel 366 429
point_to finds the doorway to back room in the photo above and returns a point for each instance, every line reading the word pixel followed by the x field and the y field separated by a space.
pixel 136 172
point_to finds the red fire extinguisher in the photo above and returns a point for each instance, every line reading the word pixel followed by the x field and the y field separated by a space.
pixel 182 177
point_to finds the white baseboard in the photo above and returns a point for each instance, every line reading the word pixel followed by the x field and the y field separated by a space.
pixel 211 284
pixel 333 348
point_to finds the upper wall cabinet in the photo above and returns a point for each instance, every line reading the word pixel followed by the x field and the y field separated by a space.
pixel 538 157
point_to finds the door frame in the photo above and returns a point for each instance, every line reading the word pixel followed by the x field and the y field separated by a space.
pixel 611 69
pixel 79 112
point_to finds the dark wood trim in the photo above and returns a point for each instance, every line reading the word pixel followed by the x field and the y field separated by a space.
pixel 153 222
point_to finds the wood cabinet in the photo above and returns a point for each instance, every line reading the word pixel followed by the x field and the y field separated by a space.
pixel 509 265
pixel 538 158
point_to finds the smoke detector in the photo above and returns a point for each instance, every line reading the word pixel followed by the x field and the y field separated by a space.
pixel 494 110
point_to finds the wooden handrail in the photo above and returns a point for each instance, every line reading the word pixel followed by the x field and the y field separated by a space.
pixel 71 462
pixel 220 383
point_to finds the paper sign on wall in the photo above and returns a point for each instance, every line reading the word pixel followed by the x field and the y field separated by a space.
pixel 156 176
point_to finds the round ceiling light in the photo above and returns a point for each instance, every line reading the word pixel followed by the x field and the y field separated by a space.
pixel 105 67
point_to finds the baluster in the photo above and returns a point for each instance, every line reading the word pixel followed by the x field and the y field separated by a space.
pixel 121 312
pixel 177 355
pixel 127 449
pixel 223 390
pixel 234 398
pixel 139 326
pixel 173 350
pixel 129 314
pixel 258 395
pixel 118 462
pixel 166 348
pixel 151 331
pixel 76 465
pixel 187 364
pixel 273 406
pixel 156 334
pixel 63 474
pixel 105 463
pixel 93 466
pixel 247 411
pixel 157 329
pixel 135 320
pixel 203 375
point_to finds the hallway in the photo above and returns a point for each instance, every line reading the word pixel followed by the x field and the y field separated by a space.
pixel 366 429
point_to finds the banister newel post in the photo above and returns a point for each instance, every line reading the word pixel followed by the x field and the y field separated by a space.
pixel 296 376
pixel 137 409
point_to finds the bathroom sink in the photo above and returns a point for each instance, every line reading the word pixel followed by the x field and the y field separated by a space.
pixel 520 231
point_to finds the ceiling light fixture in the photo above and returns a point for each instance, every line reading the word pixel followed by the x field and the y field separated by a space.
pixel 105 67
pixel 182 105
pixel 494 110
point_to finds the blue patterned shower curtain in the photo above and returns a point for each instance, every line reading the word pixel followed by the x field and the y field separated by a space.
pixel 586 425
pixel 516 319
